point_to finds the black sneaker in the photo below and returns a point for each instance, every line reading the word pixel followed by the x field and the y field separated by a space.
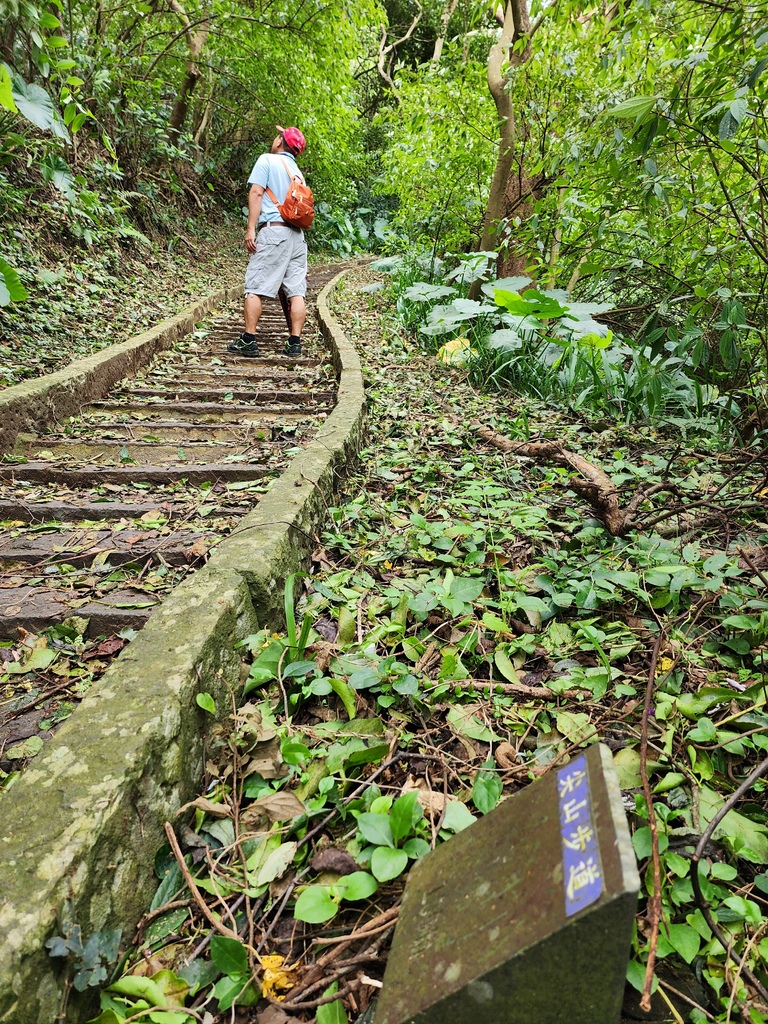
pixel 292 348
pixel 243 346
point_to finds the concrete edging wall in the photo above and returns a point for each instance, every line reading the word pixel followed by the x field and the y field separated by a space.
pixel 81 827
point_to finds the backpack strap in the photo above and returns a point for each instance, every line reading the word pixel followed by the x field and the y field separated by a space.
pixel 292 174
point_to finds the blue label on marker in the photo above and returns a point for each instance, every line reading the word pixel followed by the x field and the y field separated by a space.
pixel 582 871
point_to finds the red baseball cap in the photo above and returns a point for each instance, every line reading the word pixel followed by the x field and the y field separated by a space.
pixel 293 138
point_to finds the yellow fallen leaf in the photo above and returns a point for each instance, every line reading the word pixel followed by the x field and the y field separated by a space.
pixel 275 980
pixel 457 352
pixel 665 664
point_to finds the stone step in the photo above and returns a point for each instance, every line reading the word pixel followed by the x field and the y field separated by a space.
pixel 200 375
pixel 35 609
pixel 204 413
pixel 81 546
pixel 142 453
pixel 267 429
pixel 86 476
pixel 77 511
pixel 265 360
pixel 217 396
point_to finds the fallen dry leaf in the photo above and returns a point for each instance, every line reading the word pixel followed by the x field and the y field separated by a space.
pixel 282 806
pixel 203 804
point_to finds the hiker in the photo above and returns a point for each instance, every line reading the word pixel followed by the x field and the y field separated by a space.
pixel 278 253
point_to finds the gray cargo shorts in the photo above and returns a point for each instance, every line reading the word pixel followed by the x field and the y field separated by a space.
pixel 280 259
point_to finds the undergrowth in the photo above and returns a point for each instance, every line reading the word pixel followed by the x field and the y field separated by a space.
pixel 467 627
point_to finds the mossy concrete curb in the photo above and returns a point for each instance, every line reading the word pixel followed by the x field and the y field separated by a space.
pixel 82 826
pixel 35 403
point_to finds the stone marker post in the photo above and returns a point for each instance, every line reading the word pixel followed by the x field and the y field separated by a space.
pixel 526 916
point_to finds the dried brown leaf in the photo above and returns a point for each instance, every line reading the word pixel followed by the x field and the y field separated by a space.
pixel 282 806
pixel 202 804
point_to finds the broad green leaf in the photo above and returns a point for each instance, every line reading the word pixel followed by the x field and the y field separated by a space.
pixel 6 92
pixel 315 905
pixel 486 791
pixel 376 829
pixel 11 289
pixel 423 292
pixel 35 104
pixel 685 940
pixel 745 837
pixel 406 812
pixel 357 886
pixel 344 691
pixel 416 848
pixel 229 990
pixel 467 588
pixel 749 622
pixel 206 702
pixel 387 864
pixel 139 988
pixel 174 988
pixel 457 817
pixel 230 956
pixel 277 863
pixel 576 727
pixel 635 106
pixel 636 976
pixel 642 841
pixel 504 664
pixel 467 724
pixel 294 751
pixel 704 732
pixel 264 667
pixel 170 1017
pixel 331 1013
pixel 495 623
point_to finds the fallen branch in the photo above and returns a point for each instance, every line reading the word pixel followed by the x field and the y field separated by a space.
pixel 518 689
pixel 597 488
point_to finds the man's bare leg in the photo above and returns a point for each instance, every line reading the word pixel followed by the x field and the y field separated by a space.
pixel 298 315
pixel 253 307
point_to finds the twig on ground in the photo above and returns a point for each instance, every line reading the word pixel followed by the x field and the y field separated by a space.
pixel 685 998
pixel 701 901
pixel 760 575
pixel 654 903
pixel 221 928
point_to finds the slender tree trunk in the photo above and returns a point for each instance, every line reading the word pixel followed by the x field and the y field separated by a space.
pixel 448 11
pixel 508 192
pixel 196 39
pixel 498 55
pixel 557 238
pixel 201 130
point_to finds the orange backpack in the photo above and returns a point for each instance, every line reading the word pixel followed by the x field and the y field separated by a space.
pixel 298 207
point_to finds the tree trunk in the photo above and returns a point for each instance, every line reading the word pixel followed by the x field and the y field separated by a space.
pixel 196 39
pixel 520 197
pixel 499 52
pixel 448 10
pixel 506 192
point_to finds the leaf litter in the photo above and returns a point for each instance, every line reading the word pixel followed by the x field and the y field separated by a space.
pixel 468 625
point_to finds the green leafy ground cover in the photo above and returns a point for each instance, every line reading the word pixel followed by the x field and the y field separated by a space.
pixel 81 301
pixel 467 626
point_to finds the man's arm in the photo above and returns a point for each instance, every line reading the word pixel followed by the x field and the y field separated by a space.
pixel 254 210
